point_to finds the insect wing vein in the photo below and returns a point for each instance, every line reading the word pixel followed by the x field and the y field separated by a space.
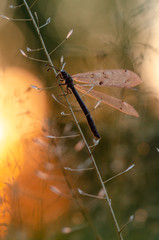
pixel 109 100
pixel 110 78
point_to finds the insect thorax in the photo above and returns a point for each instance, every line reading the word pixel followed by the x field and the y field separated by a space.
pixel 67 78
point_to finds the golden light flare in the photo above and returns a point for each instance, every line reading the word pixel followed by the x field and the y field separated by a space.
pixel 18 117
pixel 22 105
pixel 7 130
pixel 22 108
pixel 1 130
pixel 24 150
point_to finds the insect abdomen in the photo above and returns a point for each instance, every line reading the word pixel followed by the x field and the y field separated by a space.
pixel 86 112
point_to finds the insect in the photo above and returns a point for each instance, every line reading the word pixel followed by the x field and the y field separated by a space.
pixel 105 78
pixel 70 85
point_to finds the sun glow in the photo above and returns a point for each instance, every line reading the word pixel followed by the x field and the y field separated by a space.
pixel 1 130
pixel 4 129
pixel 23 150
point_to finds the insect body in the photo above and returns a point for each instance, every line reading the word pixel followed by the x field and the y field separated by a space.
pixel 106 78
pixel 70 85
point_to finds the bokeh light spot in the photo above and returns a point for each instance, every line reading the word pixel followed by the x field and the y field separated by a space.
pixel 141 215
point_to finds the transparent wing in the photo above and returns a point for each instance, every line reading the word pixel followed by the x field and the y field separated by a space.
pixel 109 78
pixel 109 100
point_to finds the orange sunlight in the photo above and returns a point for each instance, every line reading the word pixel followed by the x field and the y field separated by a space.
pixel 2 132
pixel 25 153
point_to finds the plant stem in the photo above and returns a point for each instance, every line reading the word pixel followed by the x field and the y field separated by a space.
pixel 108 201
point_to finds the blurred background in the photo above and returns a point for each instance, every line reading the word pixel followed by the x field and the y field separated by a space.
pixel 37 195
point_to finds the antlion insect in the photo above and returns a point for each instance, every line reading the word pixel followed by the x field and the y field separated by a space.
pixel 107 78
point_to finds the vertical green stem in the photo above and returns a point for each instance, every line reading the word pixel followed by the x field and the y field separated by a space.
pixel 108 201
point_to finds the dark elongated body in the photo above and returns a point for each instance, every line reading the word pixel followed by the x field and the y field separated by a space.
pixel 69 82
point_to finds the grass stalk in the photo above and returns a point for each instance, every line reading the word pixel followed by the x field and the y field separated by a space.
pixel 107 199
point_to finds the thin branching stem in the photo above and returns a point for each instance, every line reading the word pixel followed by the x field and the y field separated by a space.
pixel 40 36
pixel 108 201
pixel 79 204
